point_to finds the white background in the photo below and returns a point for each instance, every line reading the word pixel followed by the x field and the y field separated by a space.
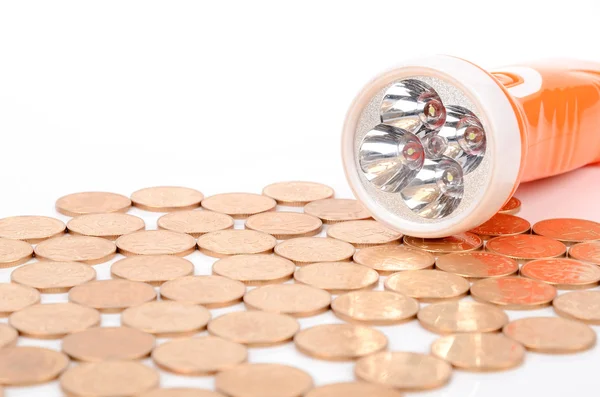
pixel 233 95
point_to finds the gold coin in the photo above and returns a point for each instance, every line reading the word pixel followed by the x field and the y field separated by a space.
pixel 263 380
pixel 181 392
pixel 352 389
pixel 404 370
pixel 89 250
pixel 526 247
pixel 156 242
pixel 475 265
pixel 502 225
pixel 255 269
pixel 461 316
pixel 579 305
pixel 304 250
pixel 208 291
pixel 285 225
pixel 92 203
pixel 235 242
pixel 205 355
pixel 428 285
pixel 337 210
pixel 53 277
pixel 31 229
pixel 239 205
pixel 296 300
pixel 8 336
pixel 513 293
pixel 563 273
pixel 551 334
pixel 166 319
pixel 587 252
pixel 337 277
pixel 511 207
pixel 375 307
pixel 112 296
pixel 297 194
pixel 14 297
pixel 110 226
pixel 479 352
pixel 568 230
pixel 166 198
pixel 364 233
pixel 388 259
pixel 463 242
pixel 254 328
pixel 195 223
pixel 14 252
pixel 152 269
pixel 108 378
pixel 108 343
pixel 28 365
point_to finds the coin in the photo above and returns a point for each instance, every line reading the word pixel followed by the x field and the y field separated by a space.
pixel 296 300
pixel 8 336
pixel 479 352
pixel 166 319
pixel 152 269
pixel 254 328
pixel 239 205
pixel 195 223
pixel 110 226
pixel 428 285
pixel 304 250
pixel 512 206
pixel 478 264
pixel 568 230
pixel 454 317
pixel 579 305
pixel 112 296
pixel 297 194
pixel 181 392
pixel 28 365
pixel 156 242
pixel 255 269
pixel 514 293
pixel 92 203
pixel 555 335
pixel 363 233
pixel 108 343
pixel 352 389
pixel 166 198
pixel 53 277
pixel 404 370
pixel 337 210
pixel 31 229
pixel 263 380
pixel 235 242
pixel 14 297
pixel 458 243
pixel 502 225
pixel 285 225
pixel 375 307
pixel 388 259
pixel 203 355
pixel 588 252
pixel 208 291
pixel 89 250
pixel 14 252
pixel 526 247
pixel 337 277
pixel 108 378
pixel 563 273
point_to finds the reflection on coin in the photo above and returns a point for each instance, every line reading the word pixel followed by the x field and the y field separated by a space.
pixel 297 194
pixel 112 296
pixel 108 343
pixel 352 389
pixel 239 205
pixel 388 259
pixel 563 273
pixel 27 365
pixel 208 291
pixel 568 230
pixel 110 226
pixel 463 242
pixel 152 269
pixel 89 250
pixel 579 305
pixel 512 206
pixel 181 392
pixel 166 319
pixel 296 300
pixel 502 225
pixel 587 252
pixel 337 277
pixel 479 352
pixel 363 233
pixel 305 250
pixel 14 297
pixel 513 293
pixel 53 277
pixel 461 316
pixel 526 247
pixel 285 225
pixel 255 269
pixel 195 223
pixel 255 328
pixel 166 198
pixel 92 203
pixel 404 370
pixel 551 334
pixel 235 242
pixel 31 229
pixel 337 210
pixel 14 252
pixel 156 242
pixel 8 336
pixel 428 285
pixel 203 355
pixel 474 265
pixel 374 307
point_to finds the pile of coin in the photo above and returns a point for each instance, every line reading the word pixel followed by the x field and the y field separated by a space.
pixel 274 262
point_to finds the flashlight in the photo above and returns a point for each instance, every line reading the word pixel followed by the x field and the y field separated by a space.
pixel 438 145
